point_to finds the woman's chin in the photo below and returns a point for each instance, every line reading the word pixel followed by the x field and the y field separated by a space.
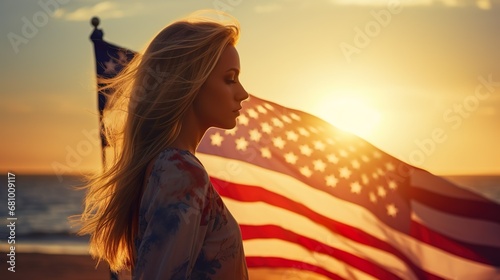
pixel 228 125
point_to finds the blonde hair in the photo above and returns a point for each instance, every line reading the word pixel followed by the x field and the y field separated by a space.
pixel 144 116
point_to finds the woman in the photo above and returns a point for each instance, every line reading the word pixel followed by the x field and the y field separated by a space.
pixel 154 210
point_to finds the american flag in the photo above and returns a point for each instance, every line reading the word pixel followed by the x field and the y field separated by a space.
pixel 314 202
pixel 110 60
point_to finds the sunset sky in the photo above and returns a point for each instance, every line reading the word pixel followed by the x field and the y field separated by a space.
pixel 397 73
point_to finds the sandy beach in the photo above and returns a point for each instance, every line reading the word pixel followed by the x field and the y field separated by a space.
pixel 38 266
pixel 55 267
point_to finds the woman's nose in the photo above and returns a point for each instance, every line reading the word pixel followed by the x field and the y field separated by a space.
pixel 242 94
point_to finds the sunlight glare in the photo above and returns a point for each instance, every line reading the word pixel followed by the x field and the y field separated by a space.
pixel 351 114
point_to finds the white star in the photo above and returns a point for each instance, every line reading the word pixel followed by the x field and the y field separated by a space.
pixel 352 148
pixel 276 122
pixel 279 143
pixel 380 172
pixel 318 145
pixel 373 197
pixel 110 67
pixel 332 158
pixel 265 153
pixel 365 179
pixel 243 120
pixel 231 131
pixel 292 136
pixel 365 158
pixel 295 116
pixel 355 164
pixel 216 139
pixel 392 210
pixel 306 171
pixel 266 128
pixel 330 141
pixel 343 153
pixel 269 106
pixel 392 185
pixel 255 135
pixel 389 166
pixel 122 58
pixel 291 158
pixel 241 144
pixel 252 113
pixel 381 191
pixel 377 154
pixel 261 109
pixel 345 172
pixel 305 150
pixel 355 188
pixel 313 130
pixel 319 165
pixel 286 119
pixel 304 132
pixel 374 175
pixel 331 181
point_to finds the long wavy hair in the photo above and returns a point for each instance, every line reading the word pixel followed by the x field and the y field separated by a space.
pixel 144 116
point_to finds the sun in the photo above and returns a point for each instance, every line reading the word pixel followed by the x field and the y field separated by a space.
pixel 350 113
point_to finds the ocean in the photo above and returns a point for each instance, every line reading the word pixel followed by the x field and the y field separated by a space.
pixel 44 203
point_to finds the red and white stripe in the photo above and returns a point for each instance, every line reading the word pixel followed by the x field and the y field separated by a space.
pixel 296 229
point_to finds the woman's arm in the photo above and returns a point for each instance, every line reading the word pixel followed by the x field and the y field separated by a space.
pixel 173 220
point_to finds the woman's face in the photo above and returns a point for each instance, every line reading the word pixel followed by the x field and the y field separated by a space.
pixel 219 100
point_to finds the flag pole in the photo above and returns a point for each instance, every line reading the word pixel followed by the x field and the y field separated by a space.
pixel 97 38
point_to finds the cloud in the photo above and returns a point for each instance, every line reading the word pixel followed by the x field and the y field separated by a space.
pixel 481 4
pixel 484 4
pixel 382 2
pixel 104 10
pixel 267 8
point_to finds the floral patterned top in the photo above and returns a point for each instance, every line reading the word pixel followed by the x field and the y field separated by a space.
pixel 185 230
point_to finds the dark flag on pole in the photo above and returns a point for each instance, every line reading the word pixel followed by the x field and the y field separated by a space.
pixel 315 202
pixel 110 60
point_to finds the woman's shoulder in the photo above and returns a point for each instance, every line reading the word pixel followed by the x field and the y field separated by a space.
pixel 178 158
pixel 179 165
